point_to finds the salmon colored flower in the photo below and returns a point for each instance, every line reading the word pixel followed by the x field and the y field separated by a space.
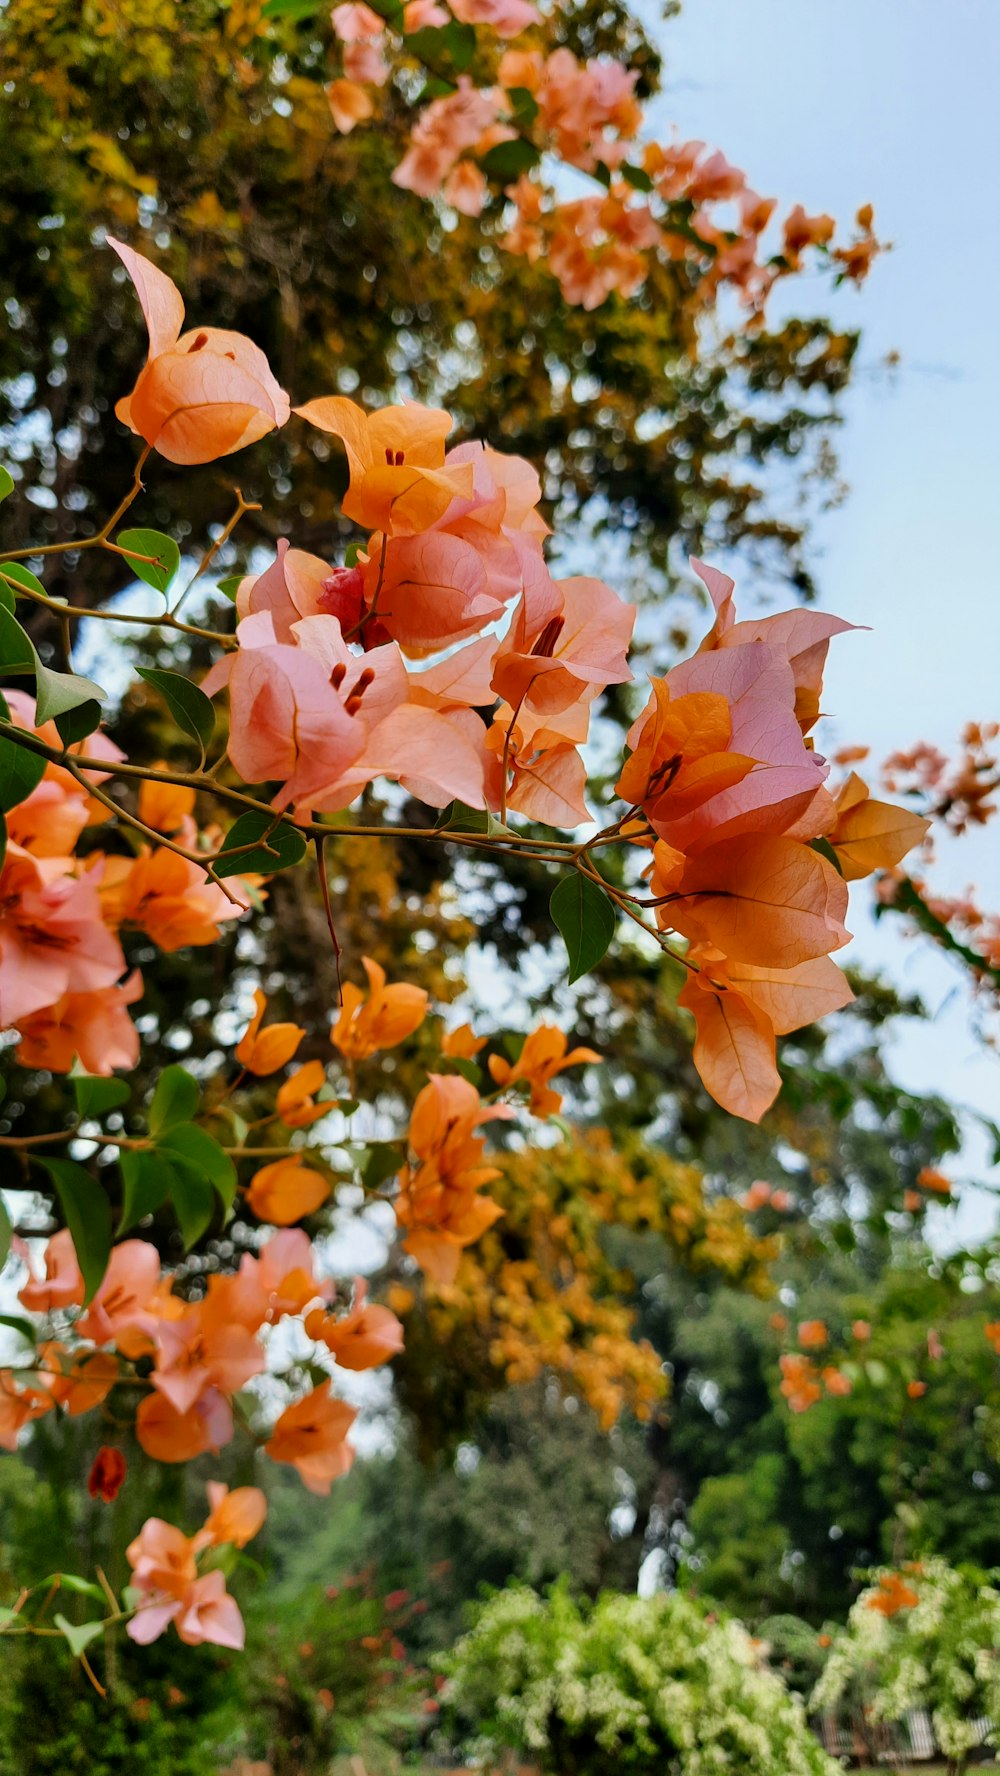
pixel 893 1594
pixel 62 1285
pixel 916 1389
pixel 362 1338
pixel 861 1330
pixel 169 898
pixel 399 483
pixel 462 1044
pixel 382 1020
pixel 79 1382
pixel 929 1178
pixel 800 1382
pixel 567 637
pixel 439 1203
pixel 813 1334
pixel 94 1028
pixel 171 1436
pixel 263 1052
pixel 19 1405
pixel 837 1384
pixel 311 1436
pixel 53 939
pixel 871 835
pixel 107 1474
pixel 992 1331
pixel 295 1102
pixel 542 1056
pixel 235 1517
pixel 349 104
pixel 286 1191
pixel 202 394
pixel 166 807
pixel 119 1312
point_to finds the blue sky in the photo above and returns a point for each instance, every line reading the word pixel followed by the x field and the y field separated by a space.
pixel 834 103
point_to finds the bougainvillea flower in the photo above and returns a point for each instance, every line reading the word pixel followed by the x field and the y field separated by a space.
pixel 92 1027
pixel 349 104
pixel 364 1337
pixel 171 899
pixel 352 22
pixel 79 1382
pixel 107 1475
pixel 506 18
pixel 293 586
pixel 432 589
pixel 771 902
pixel 311 1435
pixel 444 130
pixel 399 484
pixel 166 807
pixel 892 1595
pixel 546 777
pixel 171 1436
pixel 871 835
pixel 734 1048
pixel 264 1051
pixel 210 1614
pixel 295 1102
pixel 929 1178
pixel 381 1019
pixel 813 1334
pixel 542 1056
pixel 285 1273
pixel 235 1517
pixel 202 394
pixel 286 1191
pixel 199 1352
pixel 162 1559
pixel 19 1405
pixel 800 1384
pixel 120 1307
pixel 62 1284
pixel 53 940
pixel 439 1204
pixel 462 1044
pixel 682 756
pixel 566 636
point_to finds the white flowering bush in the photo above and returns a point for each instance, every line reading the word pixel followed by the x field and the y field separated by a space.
pixel 653 1685
pixel 927 1637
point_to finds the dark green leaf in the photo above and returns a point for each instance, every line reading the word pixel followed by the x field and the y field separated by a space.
pixel 174 1100
pixel 16 652
pixel 147 1181
pixel 508 160
pixel 287 847
pixel 585 919
pixel 189 706
pixel 230 587
pixel 291 9
pixel 204 1153
pixel 96 1094
pixel 76 724
pixel 79 1635
pixel 6 483
pixel 192 1197
pixel 157 574
pixel 23 1327
pixel 3 839
pixel 16 570
pixel 376 1161
pixel 452 45
pixel 825 849
pixel 87 1214
pixel 58 692
pixel 70 1582
pixel 524 106
pixel 21 771
pixel 6 1233
pixel 637 177
pixel 458 818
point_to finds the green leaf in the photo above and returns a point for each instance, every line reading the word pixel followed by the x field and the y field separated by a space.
pixel 79 1635
pixel 6 1234
pixel 290 9
pixel 586 922
pixel 58 692
pixel 22 1327
pixel 6 483
pixel 467 1068
pixel 376 1161
pixel 76 724
pixel 191 1196
pixel 289 846
pixel 201 1151
pixel 16 652
pixel 157 574
pixel 508 160
pixel 637 177
pixel 174 1100
pixel 87 1214
pixel 3 839
pixel 459 818
pixel 230 587
pixel 95 1094
pixel 15 570
pixel 189 706
pixel 21 771
pixel 147 1181
pixel 453 44
pixel 825 849
pixel 524 106
pixel 71 1582
pixel 7 1615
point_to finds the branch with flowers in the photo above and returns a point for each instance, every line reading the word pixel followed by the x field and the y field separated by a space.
pixel 444 656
